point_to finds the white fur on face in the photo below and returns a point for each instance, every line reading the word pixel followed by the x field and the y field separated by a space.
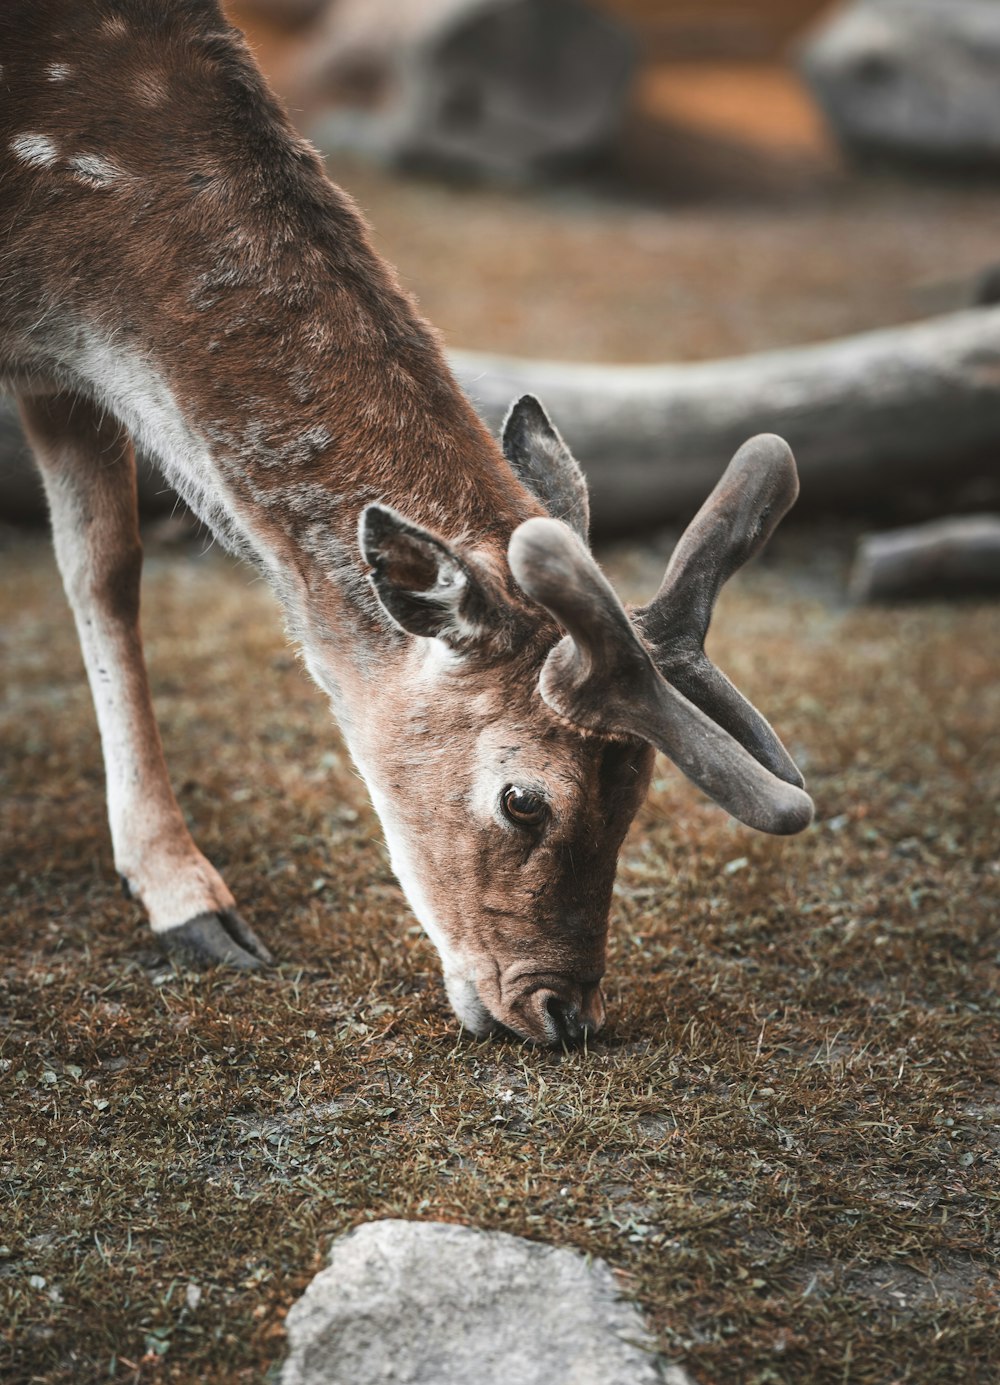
pixel 458 974
pixel 470 1010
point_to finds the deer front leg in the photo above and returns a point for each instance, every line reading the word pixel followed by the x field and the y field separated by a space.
pixel 88 468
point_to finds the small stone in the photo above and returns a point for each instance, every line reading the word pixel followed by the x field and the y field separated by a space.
pixel 425 1303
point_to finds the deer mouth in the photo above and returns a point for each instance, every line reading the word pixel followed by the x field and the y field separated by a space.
pixel 563 1018
pixel 560 1015
pixel 553 1012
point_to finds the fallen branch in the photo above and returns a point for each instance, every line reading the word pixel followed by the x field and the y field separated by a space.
pixel 866 416
pixel 951 557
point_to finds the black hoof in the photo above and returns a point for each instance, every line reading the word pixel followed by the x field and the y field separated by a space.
pixel 217 939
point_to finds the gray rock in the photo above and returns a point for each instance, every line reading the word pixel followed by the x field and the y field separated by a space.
pixel 425 1303
pixel 502 89
pixel 914 79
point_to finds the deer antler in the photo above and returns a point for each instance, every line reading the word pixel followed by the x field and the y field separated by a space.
pixel 756 490
pixel 603 677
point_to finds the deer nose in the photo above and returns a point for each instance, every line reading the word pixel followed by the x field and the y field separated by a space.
pixel 571 1022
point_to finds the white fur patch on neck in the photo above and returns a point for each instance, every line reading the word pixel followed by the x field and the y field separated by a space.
pixel 436 657
pixel 128 384
pixel 405 871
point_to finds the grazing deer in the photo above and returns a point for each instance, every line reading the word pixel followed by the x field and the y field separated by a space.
pixel 177 271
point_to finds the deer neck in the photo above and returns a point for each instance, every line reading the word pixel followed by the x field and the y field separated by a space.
pixel 210 286
pixel 278 448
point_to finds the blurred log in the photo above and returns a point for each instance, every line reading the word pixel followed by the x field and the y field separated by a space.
pixel 951 557
pixel 21 497
pixel 285 14
pixel 495 88
pixel 867 416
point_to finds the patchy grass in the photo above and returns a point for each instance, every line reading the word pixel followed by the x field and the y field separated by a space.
pixel 786 1140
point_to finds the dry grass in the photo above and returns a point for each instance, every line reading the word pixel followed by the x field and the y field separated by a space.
pixel 786 1141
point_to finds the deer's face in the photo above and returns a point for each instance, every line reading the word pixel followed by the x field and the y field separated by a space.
pixel 507 758
pixel 504 829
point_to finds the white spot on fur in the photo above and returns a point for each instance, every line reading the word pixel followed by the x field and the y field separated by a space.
pixel 95 170
pixel 38 151
pixel 58 72
pixel 115 27
pixel 438 658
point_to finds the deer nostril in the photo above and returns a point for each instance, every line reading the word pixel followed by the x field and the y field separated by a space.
pixel 566 1019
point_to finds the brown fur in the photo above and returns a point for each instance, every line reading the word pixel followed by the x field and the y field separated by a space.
pixel 228 259
pixel 220 254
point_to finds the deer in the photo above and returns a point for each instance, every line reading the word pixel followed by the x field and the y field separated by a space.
pixel 179 274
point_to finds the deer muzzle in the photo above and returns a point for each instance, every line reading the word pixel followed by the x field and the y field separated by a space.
pixel 559 1012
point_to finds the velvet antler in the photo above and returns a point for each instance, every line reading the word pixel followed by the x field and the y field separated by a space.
pixel 651 679
pixel 756 490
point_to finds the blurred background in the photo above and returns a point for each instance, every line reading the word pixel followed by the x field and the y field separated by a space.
pixel 641 180
pixel 647 181
pixel 679 181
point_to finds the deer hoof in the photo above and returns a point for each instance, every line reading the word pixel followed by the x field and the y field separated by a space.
pixel 214 939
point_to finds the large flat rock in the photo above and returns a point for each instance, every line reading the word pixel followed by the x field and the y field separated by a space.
pixel 911 79
pixel 425 1303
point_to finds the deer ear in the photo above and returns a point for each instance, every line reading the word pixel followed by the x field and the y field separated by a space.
pixel 423 585
pixel 544 464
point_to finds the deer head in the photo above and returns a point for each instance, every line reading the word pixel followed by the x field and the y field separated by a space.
pixel 509 762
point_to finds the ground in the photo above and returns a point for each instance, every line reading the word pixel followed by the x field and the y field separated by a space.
pixel 785 1141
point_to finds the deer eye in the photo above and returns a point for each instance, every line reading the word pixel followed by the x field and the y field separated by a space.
pixel 522 807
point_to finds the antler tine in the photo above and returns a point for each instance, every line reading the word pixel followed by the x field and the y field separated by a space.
pixel 600 678
pixel 756 490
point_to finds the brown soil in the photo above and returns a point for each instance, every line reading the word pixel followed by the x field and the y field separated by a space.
pixel 786 1139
